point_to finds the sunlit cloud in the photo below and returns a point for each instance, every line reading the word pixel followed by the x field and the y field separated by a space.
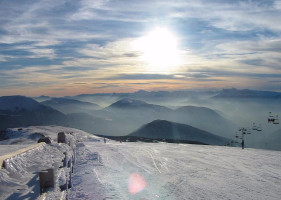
pixel 216 44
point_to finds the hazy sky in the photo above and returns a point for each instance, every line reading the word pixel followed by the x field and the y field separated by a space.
pixel 66 47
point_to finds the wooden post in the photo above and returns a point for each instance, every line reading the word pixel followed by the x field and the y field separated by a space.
pixel 47 180
pixel 61 137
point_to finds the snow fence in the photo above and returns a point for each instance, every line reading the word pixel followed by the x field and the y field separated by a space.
pixel 40 171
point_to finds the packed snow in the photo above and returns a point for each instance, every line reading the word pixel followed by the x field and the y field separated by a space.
pixel 19 179
pixel 7 149
pixel 137 170
pixel 174 171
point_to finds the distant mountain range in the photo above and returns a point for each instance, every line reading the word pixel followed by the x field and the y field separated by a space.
pixel 205 119
pixel 162 129
pixel 19 103
pixel 18 111
pixel 66 105
pixel 145 95
pixel 122 117
pixel 22 111
pixel 136 112
pixel 235 93
pixel 41 98
pixel 133 104
pixel 155 97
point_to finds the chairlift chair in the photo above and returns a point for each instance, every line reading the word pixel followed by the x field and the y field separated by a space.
pixel 254 127
pixel 259 128
pixel 270 118
pixel 276 120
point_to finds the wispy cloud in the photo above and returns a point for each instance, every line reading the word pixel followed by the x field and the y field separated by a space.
pixel 143 77
pixel 60 43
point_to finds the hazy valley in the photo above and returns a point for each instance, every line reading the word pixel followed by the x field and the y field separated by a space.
pixel 220 113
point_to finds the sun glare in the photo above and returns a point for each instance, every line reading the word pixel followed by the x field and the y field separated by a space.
pixel 159 50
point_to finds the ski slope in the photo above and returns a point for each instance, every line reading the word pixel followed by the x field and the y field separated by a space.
pixel 148 170
pixel 174 171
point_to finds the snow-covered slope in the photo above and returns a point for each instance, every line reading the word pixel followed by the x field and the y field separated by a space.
pixel 114 170
pixel 171 171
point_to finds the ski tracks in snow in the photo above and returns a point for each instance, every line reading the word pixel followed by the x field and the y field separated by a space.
pixel 172 171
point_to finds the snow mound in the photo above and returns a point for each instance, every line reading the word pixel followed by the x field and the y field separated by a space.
pixel 31 134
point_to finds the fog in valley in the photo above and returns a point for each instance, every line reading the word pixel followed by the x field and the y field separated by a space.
pixel 220 113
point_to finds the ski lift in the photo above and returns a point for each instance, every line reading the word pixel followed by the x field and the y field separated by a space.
pixel 255 127
pixel 242 129
pixel 270 118
pixel 236 136
pixel 276 120
pixel 259 128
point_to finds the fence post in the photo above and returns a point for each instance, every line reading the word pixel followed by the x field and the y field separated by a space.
pixel 61 137
pixel 47 180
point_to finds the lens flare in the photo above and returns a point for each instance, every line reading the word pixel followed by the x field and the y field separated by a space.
pixel 136 183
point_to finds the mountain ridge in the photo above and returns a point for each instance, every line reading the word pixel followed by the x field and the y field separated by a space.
pixel 163 129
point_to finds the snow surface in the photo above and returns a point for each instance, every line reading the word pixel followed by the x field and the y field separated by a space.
pixel 30 135
pixel 172 171
pixel 114 170
pixel 19 179
pixel 6 149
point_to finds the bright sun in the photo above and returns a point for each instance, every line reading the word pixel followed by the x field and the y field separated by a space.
pixel 159 50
